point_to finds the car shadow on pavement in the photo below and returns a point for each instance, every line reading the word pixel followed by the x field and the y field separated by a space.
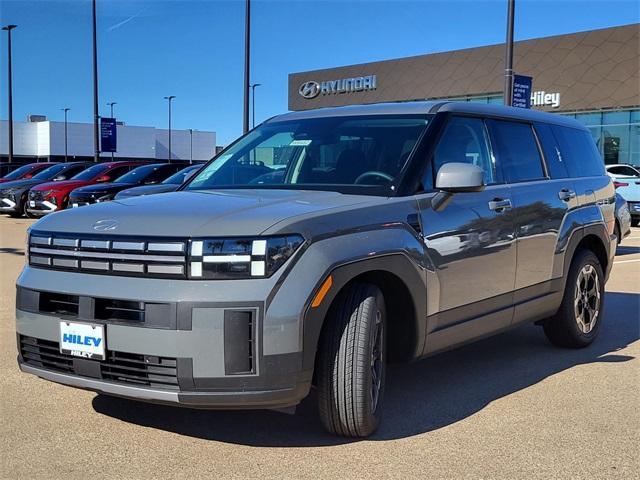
pixel 420 397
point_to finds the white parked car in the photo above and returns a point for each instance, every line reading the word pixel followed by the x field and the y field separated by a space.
pixel 627 182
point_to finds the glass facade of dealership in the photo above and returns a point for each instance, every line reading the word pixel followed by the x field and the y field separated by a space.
pixel 616 132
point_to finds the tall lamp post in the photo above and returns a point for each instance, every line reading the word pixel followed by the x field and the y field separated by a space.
pixel 253 103
pixel 247 66
pixel 96 113
pixel 8 29
pixel 508 60
pixel 65 110
pixel 191 146
pixel 169 98
pixel 111 104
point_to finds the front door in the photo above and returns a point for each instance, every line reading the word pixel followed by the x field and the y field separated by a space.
pixel 470 243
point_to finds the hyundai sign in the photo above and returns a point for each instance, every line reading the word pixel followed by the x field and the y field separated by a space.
pixel 312 89
pixel 108 135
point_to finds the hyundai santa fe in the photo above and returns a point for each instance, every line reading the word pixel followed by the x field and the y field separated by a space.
pixel 317 249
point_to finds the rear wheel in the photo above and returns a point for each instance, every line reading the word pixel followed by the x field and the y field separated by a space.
pixel 577 322
pixel 635 222
pixel 616 231
pixel 351 362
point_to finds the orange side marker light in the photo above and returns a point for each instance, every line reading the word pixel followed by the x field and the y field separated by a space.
pixel 324 289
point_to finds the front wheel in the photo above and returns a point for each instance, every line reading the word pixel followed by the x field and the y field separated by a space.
pixel 351 362
pixel 578 320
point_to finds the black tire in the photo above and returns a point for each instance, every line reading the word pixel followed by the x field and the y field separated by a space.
pixel 616 231
pixel 567 328
pixel 635 222
pixel 354 333
pixel 21 210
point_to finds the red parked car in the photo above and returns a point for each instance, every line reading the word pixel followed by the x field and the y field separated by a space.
pixel 52 196
pixel 26 171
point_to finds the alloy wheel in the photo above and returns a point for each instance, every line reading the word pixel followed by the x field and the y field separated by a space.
pixel 587 299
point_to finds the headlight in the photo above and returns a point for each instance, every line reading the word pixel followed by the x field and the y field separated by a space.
pixel 105 198
pixel 235 258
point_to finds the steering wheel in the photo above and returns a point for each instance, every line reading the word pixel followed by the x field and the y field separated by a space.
pixel 373 173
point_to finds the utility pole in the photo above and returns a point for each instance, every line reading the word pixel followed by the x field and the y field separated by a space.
pixel 111 104
pixel 191 146
pixel 253 103
pixel 96 113
pixel 247 66
pixel 8 29
pixel 508 60
pixel 65 110
pixel 169 98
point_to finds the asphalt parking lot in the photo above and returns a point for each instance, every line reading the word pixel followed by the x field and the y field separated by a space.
pixel 510 407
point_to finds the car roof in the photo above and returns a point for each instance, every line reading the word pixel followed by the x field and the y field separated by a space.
pixel 431 107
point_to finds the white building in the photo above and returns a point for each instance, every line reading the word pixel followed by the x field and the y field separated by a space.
pixel 44 140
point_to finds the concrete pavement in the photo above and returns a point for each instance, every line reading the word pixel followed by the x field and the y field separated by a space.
pixel 511 407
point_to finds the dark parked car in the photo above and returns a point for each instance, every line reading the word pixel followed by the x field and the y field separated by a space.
pixel 26 171
pixel 104 192
pixel 395 231
pixel 14 195
pixel 52 197
pixel 169 185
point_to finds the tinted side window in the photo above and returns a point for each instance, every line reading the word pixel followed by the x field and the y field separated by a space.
pixel 464 140
pixel 557 168
pixel 516 150
pixel 72 171
pixel 579 152
pixel 118 171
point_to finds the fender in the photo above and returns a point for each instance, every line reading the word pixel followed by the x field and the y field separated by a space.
pixel 397 264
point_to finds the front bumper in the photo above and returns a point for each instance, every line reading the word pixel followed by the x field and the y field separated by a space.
pixel 41 207
pixel 8 205
pixel 176 343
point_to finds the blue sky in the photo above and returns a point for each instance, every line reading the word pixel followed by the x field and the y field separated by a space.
pixel 193 49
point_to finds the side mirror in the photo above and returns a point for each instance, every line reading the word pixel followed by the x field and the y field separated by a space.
pixel 457 177
pixel 103 178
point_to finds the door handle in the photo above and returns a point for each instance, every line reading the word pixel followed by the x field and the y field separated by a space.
pixel 566 194
pixel 500 204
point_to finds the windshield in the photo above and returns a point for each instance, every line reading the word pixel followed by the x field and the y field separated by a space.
pixel 182 176
pixel 18 172
pixel 138 175
pixel 361 153
pixel 50 172
pixel 90 173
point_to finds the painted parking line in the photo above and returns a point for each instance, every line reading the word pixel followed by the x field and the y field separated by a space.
pixel 626 261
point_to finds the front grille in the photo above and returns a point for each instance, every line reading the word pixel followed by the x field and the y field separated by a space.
pixel 124 256
pixel 119 367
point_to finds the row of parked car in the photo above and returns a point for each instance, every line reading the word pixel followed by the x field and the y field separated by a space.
pixel 37 189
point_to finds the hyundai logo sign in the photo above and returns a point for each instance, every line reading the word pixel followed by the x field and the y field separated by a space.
pixel 309 89
pixel 312 89
pixel 105 225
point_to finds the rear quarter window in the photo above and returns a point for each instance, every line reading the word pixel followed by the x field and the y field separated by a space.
pixel 551 149
pixel 579 152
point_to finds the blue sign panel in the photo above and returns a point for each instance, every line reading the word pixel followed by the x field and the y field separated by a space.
pixel 108 135
pixel 521 97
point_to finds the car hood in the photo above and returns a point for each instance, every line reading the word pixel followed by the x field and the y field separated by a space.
pixel 20 184
pixel 61 185
pixel 104 188
pixel 202 213
pixel 147 190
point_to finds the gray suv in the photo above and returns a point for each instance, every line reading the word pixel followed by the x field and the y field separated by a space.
pixel 318 248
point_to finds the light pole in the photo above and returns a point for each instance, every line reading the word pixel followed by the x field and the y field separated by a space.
pixel 247 66
pixel 65 110
pixel 8 29
pixel 253 103
pixel 191 146
pixel 169 98
pixel 508 60
pixel 111 104
pixel 96 113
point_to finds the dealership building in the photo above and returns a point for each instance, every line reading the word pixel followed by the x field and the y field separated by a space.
pixel 39 139
pixel 591 76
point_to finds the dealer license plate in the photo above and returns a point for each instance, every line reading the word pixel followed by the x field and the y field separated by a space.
pixel 82 340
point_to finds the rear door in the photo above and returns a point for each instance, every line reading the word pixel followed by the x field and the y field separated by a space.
pixel 541 196
pixel 470 241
